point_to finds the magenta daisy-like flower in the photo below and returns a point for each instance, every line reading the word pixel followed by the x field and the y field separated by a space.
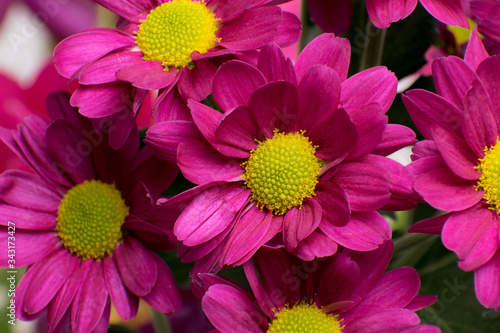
pixel 297 153
pixel 83 223
pixel 173 45
pixel 346 293
pixel 456 168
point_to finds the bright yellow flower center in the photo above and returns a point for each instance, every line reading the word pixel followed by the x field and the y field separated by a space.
pixel 490 175
pixel 282 171
pixel 174 30
pixel 89 219
pixel 304 318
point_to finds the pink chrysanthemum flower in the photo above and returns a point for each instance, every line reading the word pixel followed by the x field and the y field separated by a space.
pixel 384 12
pixel 296 154
pixel 346 293
pixel 83 223
pixel 172 45
pixel 456 168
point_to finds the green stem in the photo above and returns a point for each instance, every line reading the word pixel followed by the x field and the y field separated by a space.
pixel 306 23
pixel 373 47
pixel 160 322
pixel 409 240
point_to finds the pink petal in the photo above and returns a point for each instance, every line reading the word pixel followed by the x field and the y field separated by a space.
pixel 128 9
pixel 246 33
pixel 316 245
pixel 196 83
pixel 326 49
pixel 433 225
pixel 487 283
pixel 30 246
pixel 473 235
pixel 275 66
pixel 238 132
pixel 136 265
pixel 301 222
pixel 450 12
pixel 335 17
pixel 394 138
pixel 445 191
pixel 234 83
pixel 104 70
pixel 125 302
pixel 334 203
pixel 365 231
pixel 206 119
pixel 227 10
pixel 475 52
pixel 388 320
pixel 149 75
pixel 289 30
pixel 209 214
pixel 488 74
pixel 383 12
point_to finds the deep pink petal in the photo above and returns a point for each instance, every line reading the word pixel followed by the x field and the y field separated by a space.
pixel 388 320
pixel 275 66
pixel 473 235
pixel 250 232
pixel 209 214
pixel 289 30
pixel 246 33
pixel 201 163
pixel 383 12
pixel 365 231
pixel 479 125
pixel 433 225
pixel 394 138
pixel 169 106
pixel 456 153
pixel 487 283
pixel 47 281
pixel 426 108
pixel 274 106
pixel 104 70
pixel 489 25
pixel 316 245
pixel 450 12
pixel 238 131
pixel 136 265
pixel 475 52
pixel 149 75
pixel 334 203
pixel 78 50
pixel 335 17
pixel 30 246
pixel 420 302
pixel 374 85
pixel 320 102
pixel 488 73
pixel 301 222
pixel 227 10
pixel 231 310
pixel 206 119
pixel 234 83
pixel 443 190
pixel 125 302
pixel 196 83
pixel 91 299
pixel 367 185
pixel 452 78
pixel 164 297
pixel 278 278
pixel 326 49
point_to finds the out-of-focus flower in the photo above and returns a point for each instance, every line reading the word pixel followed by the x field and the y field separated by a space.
pixel 84 222
pixel 16 103
pixel 337 15
pixel 172 45
pixel 297 155
pixel 346 293
pixel 456 168
pixel 63 18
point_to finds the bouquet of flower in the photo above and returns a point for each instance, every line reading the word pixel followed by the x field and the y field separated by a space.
pixel 235 168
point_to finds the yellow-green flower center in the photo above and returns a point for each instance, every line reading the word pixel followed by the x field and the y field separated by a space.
pixel 174 30
pixel 282 171
pixel 490 175
pixel 304 318
pixel 89 219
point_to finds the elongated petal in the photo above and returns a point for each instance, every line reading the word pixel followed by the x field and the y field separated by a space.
pixel 456 153
pixel 148 75
pixel 164 297
pixel 389 320
pixel 433 225
pixel 487 284
pixel 443 190
pixel 473 235
pixel 275 66
pixel 234 83
pixel 136 265
pixel 29 246
pixel 245 33
pixel 238 131
pixel 206 119
pixel 488 73
pixel 125 302
pixel 475 52
pixel 365 231
pixel 326 49
pixel 301 222
pixel 334 203
pixel 209 214
pixel 78 50
pixel 394 138
pixel 196 83
pixel 316 245
pixel 376 84
pixel 128 9
pixel 383 12
pixel 450 12
pixel 104 70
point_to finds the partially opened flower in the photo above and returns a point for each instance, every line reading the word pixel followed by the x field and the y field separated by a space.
pixel 384 12
pixel 84 222
pixel 346 293
pixel 173 45
pixel 296 154
pixel 456 168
